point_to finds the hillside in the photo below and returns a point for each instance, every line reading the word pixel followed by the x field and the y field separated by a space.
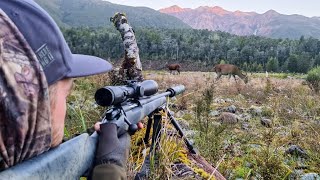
pixel 96 13
pixel 269 24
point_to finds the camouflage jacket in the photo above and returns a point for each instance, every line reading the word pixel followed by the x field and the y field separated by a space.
pixel 25 125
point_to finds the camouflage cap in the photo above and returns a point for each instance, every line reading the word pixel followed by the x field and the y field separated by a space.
pixel 47 41
pixel 25 125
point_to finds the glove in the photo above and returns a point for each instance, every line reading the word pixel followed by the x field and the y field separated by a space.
pixel 111 148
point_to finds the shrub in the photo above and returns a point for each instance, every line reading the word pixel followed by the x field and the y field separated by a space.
pixel 267 111
pixel 269 87
pixel 203 107
pixel 313 79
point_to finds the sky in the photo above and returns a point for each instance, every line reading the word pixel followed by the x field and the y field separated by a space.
pixel 308 8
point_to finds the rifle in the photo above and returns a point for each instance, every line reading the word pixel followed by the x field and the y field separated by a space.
pixel 72 159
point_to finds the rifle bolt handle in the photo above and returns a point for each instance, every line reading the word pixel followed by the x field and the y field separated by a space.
pixel 132 129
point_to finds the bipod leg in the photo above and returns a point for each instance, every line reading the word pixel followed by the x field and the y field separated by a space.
pixel 145 169
pixel 156 133
pixel 146 137
pixel 178 128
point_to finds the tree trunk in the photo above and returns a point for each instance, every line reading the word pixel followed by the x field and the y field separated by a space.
pixel 131 68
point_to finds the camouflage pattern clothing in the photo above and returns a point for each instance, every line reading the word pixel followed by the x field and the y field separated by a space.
pixel 25 125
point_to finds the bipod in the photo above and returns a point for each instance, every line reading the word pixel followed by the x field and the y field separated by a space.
pixel 178 128
pixel 154 119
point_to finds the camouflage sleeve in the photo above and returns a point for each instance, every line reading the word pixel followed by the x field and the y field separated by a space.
pixel 109 171
pixel 25 124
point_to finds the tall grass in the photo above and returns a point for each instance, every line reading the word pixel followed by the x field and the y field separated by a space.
pixel 82 110
pixel 257 152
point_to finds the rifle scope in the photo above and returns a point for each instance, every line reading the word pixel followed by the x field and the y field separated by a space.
pixel 112 95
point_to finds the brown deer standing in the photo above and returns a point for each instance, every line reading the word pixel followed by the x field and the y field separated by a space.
pixel 173 67
pixel 229 69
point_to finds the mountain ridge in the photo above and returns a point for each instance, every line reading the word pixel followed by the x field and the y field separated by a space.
pixel 268 24
pixel 96 13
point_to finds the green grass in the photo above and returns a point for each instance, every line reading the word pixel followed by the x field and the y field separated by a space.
pixel 82 112
pixel 255 153
pixel 279 75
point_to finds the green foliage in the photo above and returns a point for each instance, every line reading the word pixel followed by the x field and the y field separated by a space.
pixel 267 112
pixel 292 63
pixel 269 164
pixel 198 49
pixel 268 160
pixel 203 108
pixel 313 79
pixel 211 144
pixel 278 75
pixel 241 172
pixel 210 137
pixel 187 117
pixel 305 62
pixel 222 62
pixel 317 60
pixel 245 66
pixel 314 148
pixel 272 64
pixel 259 68
pixel 82 112
pixel 255 67
pixel 268 87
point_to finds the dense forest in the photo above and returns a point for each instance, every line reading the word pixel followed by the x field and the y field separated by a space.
pixel 202 47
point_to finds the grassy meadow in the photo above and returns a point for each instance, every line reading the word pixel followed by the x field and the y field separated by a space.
pixel 247 148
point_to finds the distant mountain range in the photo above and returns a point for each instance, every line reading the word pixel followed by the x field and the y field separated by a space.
pixel 96 13
pixel 269 24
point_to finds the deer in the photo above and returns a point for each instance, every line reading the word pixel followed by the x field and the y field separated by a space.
pixel 231 70
pixel 173 67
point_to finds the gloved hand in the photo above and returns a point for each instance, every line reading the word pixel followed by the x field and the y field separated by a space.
pixel 111 148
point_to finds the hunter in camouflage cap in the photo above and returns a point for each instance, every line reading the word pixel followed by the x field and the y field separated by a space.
pixel 33 56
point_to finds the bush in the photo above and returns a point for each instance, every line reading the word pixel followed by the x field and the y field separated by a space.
pixel 313 79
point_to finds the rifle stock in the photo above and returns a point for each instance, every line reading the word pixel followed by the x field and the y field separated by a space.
pixel 70 160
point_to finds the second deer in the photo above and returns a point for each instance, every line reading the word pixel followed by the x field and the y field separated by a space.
pixel 173 67
pixel 231 70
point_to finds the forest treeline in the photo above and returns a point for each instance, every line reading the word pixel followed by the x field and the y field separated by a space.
pixel 202 47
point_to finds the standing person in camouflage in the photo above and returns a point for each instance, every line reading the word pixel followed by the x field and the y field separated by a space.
pixel 36 71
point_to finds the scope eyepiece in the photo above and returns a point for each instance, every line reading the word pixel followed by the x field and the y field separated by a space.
pixel 112 95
